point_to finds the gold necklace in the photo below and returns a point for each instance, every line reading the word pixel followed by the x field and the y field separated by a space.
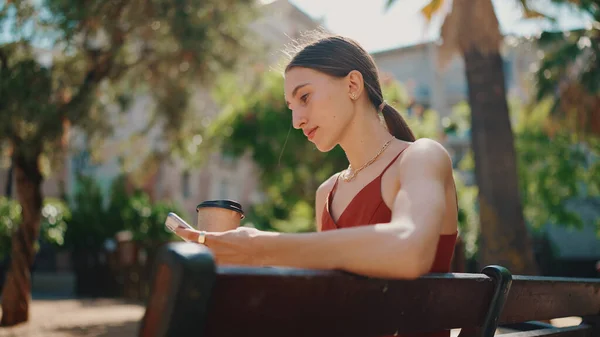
pixel 348 174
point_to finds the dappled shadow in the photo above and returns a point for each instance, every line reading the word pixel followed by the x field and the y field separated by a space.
pixel 120 329
pixel 88 302
pixel 107 302
pixel 79 317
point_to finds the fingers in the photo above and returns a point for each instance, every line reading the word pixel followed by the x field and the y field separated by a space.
pixel 187 234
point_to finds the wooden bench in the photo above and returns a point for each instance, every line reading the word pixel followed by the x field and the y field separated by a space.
pixel 192 297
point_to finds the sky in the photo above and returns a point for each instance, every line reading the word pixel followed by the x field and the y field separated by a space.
pixel 375 29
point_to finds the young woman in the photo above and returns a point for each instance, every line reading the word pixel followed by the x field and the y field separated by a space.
pixel 392 213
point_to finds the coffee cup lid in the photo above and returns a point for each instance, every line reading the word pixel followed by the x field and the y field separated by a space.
pixel 227 204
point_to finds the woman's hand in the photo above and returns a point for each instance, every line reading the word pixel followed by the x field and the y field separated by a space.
pixel 234 247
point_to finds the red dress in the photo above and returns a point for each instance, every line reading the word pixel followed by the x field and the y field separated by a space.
pixel 368 208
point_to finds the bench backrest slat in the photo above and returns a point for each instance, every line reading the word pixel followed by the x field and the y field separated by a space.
pixel 541 298
pixel 277 302
pixel 192 297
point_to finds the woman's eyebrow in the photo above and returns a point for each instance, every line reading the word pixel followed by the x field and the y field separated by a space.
pixel 295 91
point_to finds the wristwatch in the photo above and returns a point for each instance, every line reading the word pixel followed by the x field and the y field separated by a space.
pixel 201 237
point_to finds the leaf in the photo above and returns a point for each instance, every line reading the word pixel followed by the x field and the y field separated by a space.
pixel 547 38
pixel 569 74
pixel 431 9
pixel 389 4
pixel 450 32
pixel 428 11
pixel 529 13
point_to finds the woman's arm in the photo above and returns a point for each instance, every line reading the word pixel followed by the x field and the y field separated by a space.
pixel 403 248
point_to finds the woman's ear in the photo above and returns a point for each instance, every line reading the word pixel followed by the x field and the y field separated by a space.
pixel 355 84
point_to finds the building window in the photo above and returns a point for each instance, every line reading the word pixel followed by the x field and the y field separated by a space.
pixel 228 159
pixel 423 92
pixel 224 189
pixel 508 73
pixel 185 184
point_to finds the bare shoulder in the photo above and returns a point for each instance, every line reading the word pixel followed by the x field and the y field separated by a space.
pixel 320 197
pixel 326 186
pixel 427 156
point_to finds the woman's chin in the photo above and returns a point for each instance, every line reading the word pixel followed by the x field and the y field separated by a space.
pixel 324 147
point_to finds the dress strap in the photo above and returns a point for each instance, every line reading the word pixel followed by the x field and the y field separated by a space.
pixel 332 191
pixel 392 161
pixel 337 179
pixel 327 208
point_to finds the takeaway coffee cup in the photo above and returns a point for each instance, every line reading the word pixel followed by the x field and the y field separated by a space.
pixel 219 215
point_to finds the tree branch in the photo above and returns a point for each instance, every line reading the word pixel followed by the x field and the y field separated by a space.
pixel 7 130
pixel 119 70
pixel 102 67
pixel 3 60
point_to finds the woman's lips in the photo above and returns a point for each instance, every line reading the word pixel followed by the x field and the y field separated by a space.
pixel 310 134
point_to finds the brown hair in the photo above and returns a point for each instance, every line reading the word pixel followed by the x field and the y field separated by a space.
pixel 336 56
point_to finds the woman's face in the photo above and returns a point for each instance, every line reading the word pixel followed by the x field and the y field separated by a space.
pixel 321 105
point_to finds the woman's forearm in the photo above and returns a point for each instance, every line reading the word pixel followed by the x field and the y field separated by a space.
pixel 385 250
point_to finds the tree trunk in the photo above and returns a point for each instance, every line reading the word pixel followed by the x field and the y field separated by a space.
pixel 9 181
pixel 504 237
pixel 17 288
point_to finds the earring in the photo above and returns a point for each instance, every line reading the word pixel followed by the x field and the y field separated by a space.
pixel 353 96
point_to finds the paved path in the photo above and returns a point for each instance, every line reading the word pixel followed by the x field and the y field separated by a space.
pixel 81 318
pixel 101 318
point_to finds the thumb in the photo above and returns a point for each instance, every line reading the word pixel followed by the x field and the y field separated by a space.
pixel 187 234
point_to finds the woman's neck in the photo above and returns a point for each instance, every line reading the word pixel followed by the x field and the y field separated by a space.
pixel 364 138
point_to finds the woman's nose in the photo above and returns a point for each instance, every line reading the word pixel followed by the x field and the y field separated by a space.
pixel 298 119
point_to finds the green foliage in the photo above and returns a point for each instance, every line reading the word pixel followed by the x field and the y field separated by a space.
pixel 555 166
pixel 424 124
pixel 102 54
pixel 90 225
pixel 135 211
pixel 568 74
pixel 458 125
pixel 10 217
pixel 95 220
pixel 459 121
pixel 468 213
pixel 55 215
pixel 77 64
pixel 91 220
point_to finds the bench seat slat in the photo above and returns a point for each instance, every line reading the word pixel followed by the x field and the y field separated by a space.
pixel 573 331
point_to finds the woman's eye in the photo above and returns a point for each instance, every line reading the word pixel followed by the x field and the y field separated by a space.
pixel 304 98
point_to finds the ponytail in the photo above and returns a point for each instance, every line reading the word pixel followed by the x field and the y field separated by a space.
pixel 396 124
